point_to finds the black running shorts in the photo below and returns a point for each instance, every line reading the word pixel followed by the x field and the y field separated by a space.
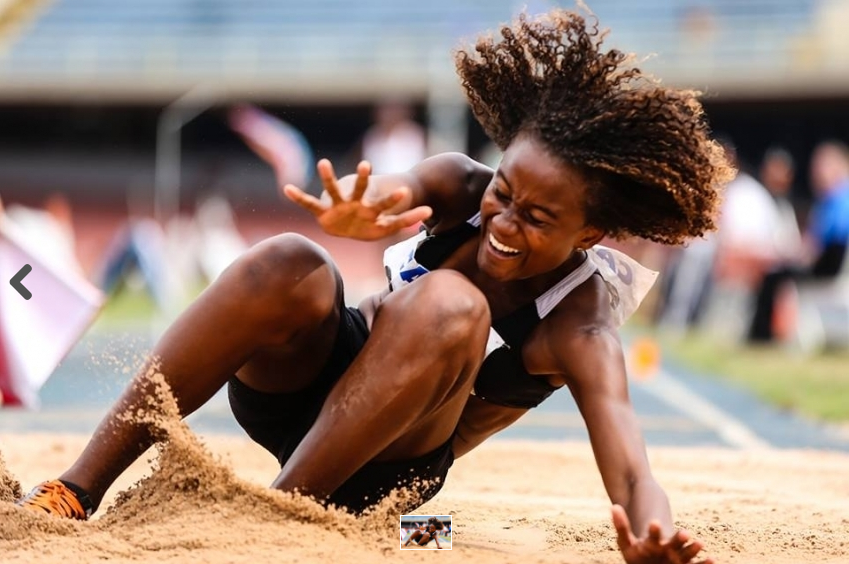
pixel 279 422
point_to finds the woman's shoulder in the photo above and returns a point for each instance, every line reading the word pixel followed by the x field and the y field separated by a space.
pixel 453 184
pixel 580 331
pixel 586 310
pixel 459 166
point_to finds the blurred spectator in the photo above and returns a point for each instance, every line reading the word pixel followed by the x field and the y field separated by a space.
pixel 755 234
pixel 137 255
pixel 686 283
pixel 138 249
pixel 276 142
pixel 777 174
pixel 698 24
pixel 220 240
pixel 699 31
pixel 170 263
pixel 395 142
pixel 826 238
pixel 757 226
pixel 687 278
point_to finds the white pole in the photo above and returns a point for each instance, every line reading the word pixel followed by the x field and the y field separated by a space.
pixel 168 151
pixel 167 168
pixel 446 107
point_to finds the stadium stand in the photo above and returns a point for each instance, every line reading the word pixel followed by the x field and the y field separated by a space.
pixel 156 48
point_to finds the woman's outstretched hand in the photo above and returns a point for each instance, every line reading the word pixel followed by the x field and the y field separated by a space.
pixel 652 549
pixel 358 216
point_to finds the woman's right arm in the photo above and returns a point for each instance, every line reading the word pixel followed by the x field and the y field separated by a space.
pixel 440 182
pixel 363 206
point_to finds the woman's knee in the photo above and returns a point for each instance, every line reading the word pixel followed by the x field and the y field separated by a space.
pixel 290 274
pixel 447 310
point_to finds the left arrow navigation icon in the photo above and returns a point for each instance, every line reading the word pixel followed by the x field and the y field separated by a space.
pixel 17 284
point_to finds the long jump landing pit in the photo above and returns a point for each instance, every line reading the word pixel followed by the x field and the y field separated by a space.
pixel 542 502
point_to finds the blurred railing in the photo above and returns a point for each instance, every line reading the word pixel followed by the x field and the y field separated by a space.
pixel 335 49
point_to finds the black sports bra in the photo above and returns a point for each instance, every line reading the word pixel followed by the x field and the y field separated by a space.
pixel 502 378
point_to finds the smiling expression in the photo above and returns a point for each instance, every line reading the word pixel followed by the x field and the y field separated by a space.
pixel 532 214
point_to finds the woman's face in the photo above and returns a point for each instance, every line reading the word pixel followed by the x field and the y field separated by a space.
pixel 532 214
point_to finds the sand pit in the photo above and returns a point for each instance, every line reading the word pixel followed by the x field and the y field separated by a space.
pixel 194 499
pixel 541 502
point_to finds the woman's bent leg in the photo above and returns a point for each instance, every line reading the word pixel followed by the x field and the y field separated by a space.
pixel 280 295
pixel 403 395
pixel 414 537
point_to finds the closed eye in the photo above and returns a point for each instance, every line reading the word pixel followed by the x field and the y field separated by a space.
pixel 501 195
pixel 535 220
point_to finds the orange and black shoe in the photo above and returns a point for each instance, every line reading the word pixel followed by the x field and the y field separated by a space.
pixel 59 498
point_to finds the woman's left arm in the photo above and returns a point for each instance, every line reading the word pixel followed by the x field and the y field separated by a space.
pixel 598 381
pixel 594 367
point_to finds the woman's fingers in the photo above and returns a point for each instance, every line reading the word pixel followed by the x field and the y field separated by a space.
pixel 690 551
pixel 363 172
pixel 679 539
pixel 654 533
pixel 328 179
pixel 624 536
pixel 389 200
pixel 306 201
pixel 403 220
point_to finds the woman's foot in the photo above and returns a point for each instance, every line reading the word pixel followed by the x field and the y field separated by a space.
pixel 59 498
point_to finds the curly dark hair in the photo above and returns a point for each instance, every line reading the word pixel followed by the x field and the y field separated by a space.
pixel 436 523
pixel 646 149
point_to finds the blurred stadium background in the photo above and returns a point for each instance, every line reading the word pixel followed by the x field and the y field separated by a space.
pixel 85 83
pixel 122 107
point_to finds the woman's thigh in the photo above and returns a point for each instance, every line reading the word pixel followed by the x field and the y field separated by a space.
pixel 441 330
pixel 279 421
pixel 305 286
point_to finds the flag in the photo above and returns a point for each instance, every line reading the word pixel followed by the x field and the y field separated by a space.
pixel 36 334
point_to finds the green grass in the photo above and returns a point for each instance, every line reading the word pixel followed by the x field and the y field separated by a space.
pixel 128 305
pixel 815 385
